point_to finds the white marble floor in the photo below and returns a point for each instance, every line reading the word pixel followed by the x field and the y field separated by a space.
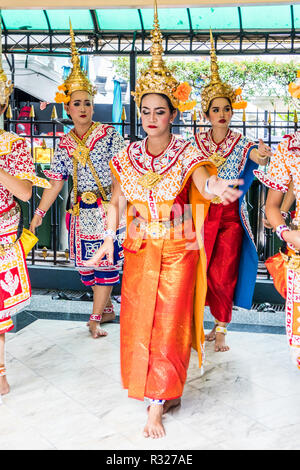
pixel 66 394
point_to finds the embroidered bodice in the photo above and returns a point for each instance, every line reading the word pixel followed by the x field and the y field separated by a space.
pixel 104 142
pixel 233 149
pixel 174 165
pixel 284 168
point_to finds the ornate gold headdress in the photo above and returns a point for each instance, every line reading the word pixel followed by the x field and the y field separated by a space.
pixel 6 87
pixel 157 78
pixel 77 79
pixel 216 88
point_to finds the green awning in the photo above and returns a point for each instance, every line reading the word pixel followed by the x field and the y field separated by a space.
pixel 277 17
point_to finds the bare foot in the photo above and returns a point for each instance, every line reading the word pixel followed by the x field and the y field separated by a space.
pixel 4 386
pixel 212 335
pixel 95 330
pixel 169 404
pixel 107 317
pixel 220 345
pixel 154 427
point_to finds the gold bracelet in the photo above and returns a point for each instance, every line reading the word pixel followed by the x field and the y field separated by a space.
pixel 262 156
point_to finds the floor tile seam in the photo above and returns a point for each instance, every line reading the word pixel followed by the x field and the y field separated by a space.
pixel 55 386
pixel 29 426
pixel 238 411
pixel 74 400
pixel 255 422
pixel 259 386
pixel 278 394
pixel 203 436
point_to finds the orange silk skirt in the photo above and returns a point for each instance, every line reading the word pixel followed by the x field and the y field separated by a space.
pixel 156 318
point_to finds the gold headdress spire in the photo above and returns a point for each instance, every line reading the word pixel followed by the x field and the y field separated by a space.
pixel 6 87
pixel 157 78
pixel 216 88
pixel 77 79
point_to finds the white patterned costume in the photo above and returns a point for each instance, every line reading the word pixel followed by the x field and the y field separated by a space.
pixel 284 168
pixel 86 230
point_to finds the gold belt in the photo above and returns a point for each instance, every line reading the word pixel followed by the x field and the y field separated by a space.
pixel 292 259
pixel 13 211
pixel 159 228
pixel 5 247
pixel 90 197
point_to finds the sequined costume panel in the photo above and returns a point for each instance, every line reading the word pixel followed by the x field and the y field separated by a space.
pixel 166 274
pixel 284 168
pixel 15 290
pixel 86 230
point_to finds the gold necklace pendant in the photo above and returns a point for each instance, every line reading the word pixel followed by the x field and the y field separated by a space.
pixel 150 179
pixel 81 154
pixel 217 159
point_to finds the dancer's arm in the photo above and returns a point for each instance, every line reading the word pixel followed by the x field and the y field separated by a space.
pixel 262 154
pixel 288 201
pixel 22 189
pixel 212 186
pixel 115 210
pixel 275 218
pixel 48 198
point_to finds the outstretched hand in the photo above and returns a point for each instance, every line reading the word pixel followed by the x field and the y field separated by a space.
pixel 107 248
pixel 263 149
pixel 223 189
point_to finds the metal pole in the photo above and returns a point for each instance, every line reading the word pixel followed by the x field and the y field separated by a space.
pixel 133 120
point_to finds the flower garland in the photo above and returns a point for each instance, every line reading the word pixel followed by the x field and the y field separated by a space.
pixel 182 93
pixel 239 103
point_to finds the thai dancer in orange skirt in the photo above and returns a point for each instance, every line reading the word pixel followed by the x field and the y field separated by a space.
pixel 165 185
pixel 282 178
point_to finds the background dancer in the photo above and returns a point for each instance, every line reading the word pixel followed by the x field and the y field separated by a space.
pixel 282 177
pixel 229 244
pixel 17 175
pixel 84 154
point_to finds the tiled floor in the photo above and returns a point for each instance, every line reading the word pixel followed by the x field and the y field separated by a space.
pixel 66 394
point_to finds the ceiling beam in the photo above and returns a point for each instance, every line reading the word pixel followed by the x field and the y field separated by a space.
pixel 95 4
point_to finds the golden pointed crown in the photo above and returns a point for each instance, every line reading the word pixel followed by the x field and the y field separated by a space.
pixel 6 87
pixel 215 88
pixel 157 78
pixel 77 79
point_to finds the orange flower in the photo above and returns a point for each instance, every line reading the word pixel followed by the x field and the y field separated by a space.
pixel 242 104
pixel 298 74
pixel 238 91
pixel 187 106
pixel 294 90
pixel 61 98
pixel 183 91
pixel 62 87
